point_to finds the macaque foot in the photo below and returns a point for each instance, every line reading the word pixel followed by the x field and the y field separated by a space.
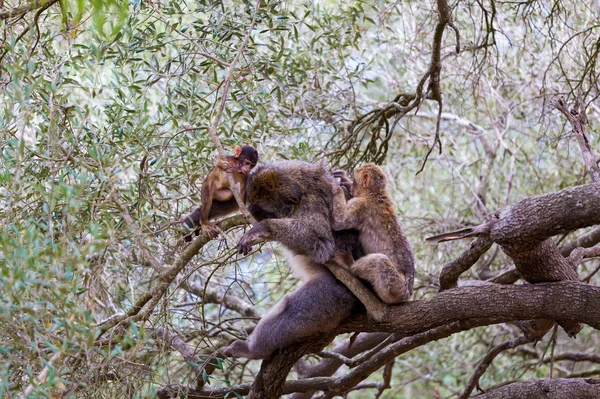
pixel 240 348
pixel 343 259
pixel 211 230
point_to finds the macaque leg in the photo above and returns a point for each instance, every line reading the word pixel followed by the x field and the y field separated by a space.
pixel 389 284
pixel 208 192
pixel 259 345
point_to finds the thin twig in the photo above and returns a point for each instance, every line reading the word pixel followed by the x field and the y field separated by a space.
pixel 212 129
pixel 43 375
pixel 577 119
pixel 487 360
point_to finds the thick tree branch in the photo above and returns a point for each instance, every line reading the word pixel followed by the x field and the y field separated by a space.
pixel 425 320
pixel 523 230
pixel 269 382
pixel 537 218
pixel 559 388
pixel 569 300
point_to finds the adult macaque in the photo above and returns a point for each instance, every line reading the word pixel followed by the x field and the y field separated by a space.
pixel 216 196
pixel 389 263
pixel 293 203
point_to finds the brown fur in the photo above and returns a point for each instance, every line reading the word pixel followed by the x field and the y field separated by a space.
pixel 389 265
pixel 216 196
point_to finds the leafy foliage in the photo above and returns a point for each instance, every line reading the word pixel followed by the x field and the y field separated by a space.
pixel 104 145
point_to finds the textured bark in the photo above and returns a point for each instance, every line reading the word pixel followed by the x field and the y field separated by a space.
pixel 537 218
pixel 523 232
pixel 542 262
pixel 567 300
pixel 452 270
pixel 560 388
pixel 423 321
pixel 274 370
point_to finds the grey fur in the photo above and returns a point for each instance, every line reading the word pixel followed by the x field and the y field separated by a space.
pixel 293 202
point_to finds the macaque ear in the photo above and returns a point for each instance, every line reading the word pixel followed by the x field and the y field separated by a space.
pixel 237 151
pixel 366 180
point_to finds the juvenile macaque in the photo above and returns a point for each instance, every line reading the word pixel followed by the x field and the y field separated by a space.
pixel 389 263
pixel 216 196
pixel 293 203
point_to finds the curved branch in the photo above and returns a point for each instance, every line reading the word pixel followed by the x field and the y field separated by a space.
pixel 167 274
pixel 452 270
pixel 569 300
pixel 212 129
pixel 487 360
pixel 577 119
pixel 588 240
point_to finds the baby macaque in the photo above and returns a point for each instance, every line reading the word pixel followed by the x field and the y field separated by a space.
pixel 216 196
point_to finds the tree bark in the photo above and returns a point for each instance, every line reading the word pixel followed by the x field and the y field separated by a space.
pixel 560 388
pixel 274 370
pixel 568 300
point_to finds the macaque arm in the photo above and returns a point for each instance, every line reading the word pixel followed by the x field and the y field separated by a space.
pixel 206 197
pixel 345 182
pixel 224 163
pixel 346 215
pixel 299 237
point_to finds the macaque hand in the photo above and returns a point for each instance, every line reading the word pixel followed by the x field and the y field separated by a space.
pixel 211 230
pixel 252 236
pixel 336 188
pixel 344 180
pixel 340 174
pixel 222 163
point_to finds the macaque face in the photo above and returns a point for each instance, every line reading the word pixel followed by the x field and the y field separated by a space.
pixel 246 157
pixel 246 166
